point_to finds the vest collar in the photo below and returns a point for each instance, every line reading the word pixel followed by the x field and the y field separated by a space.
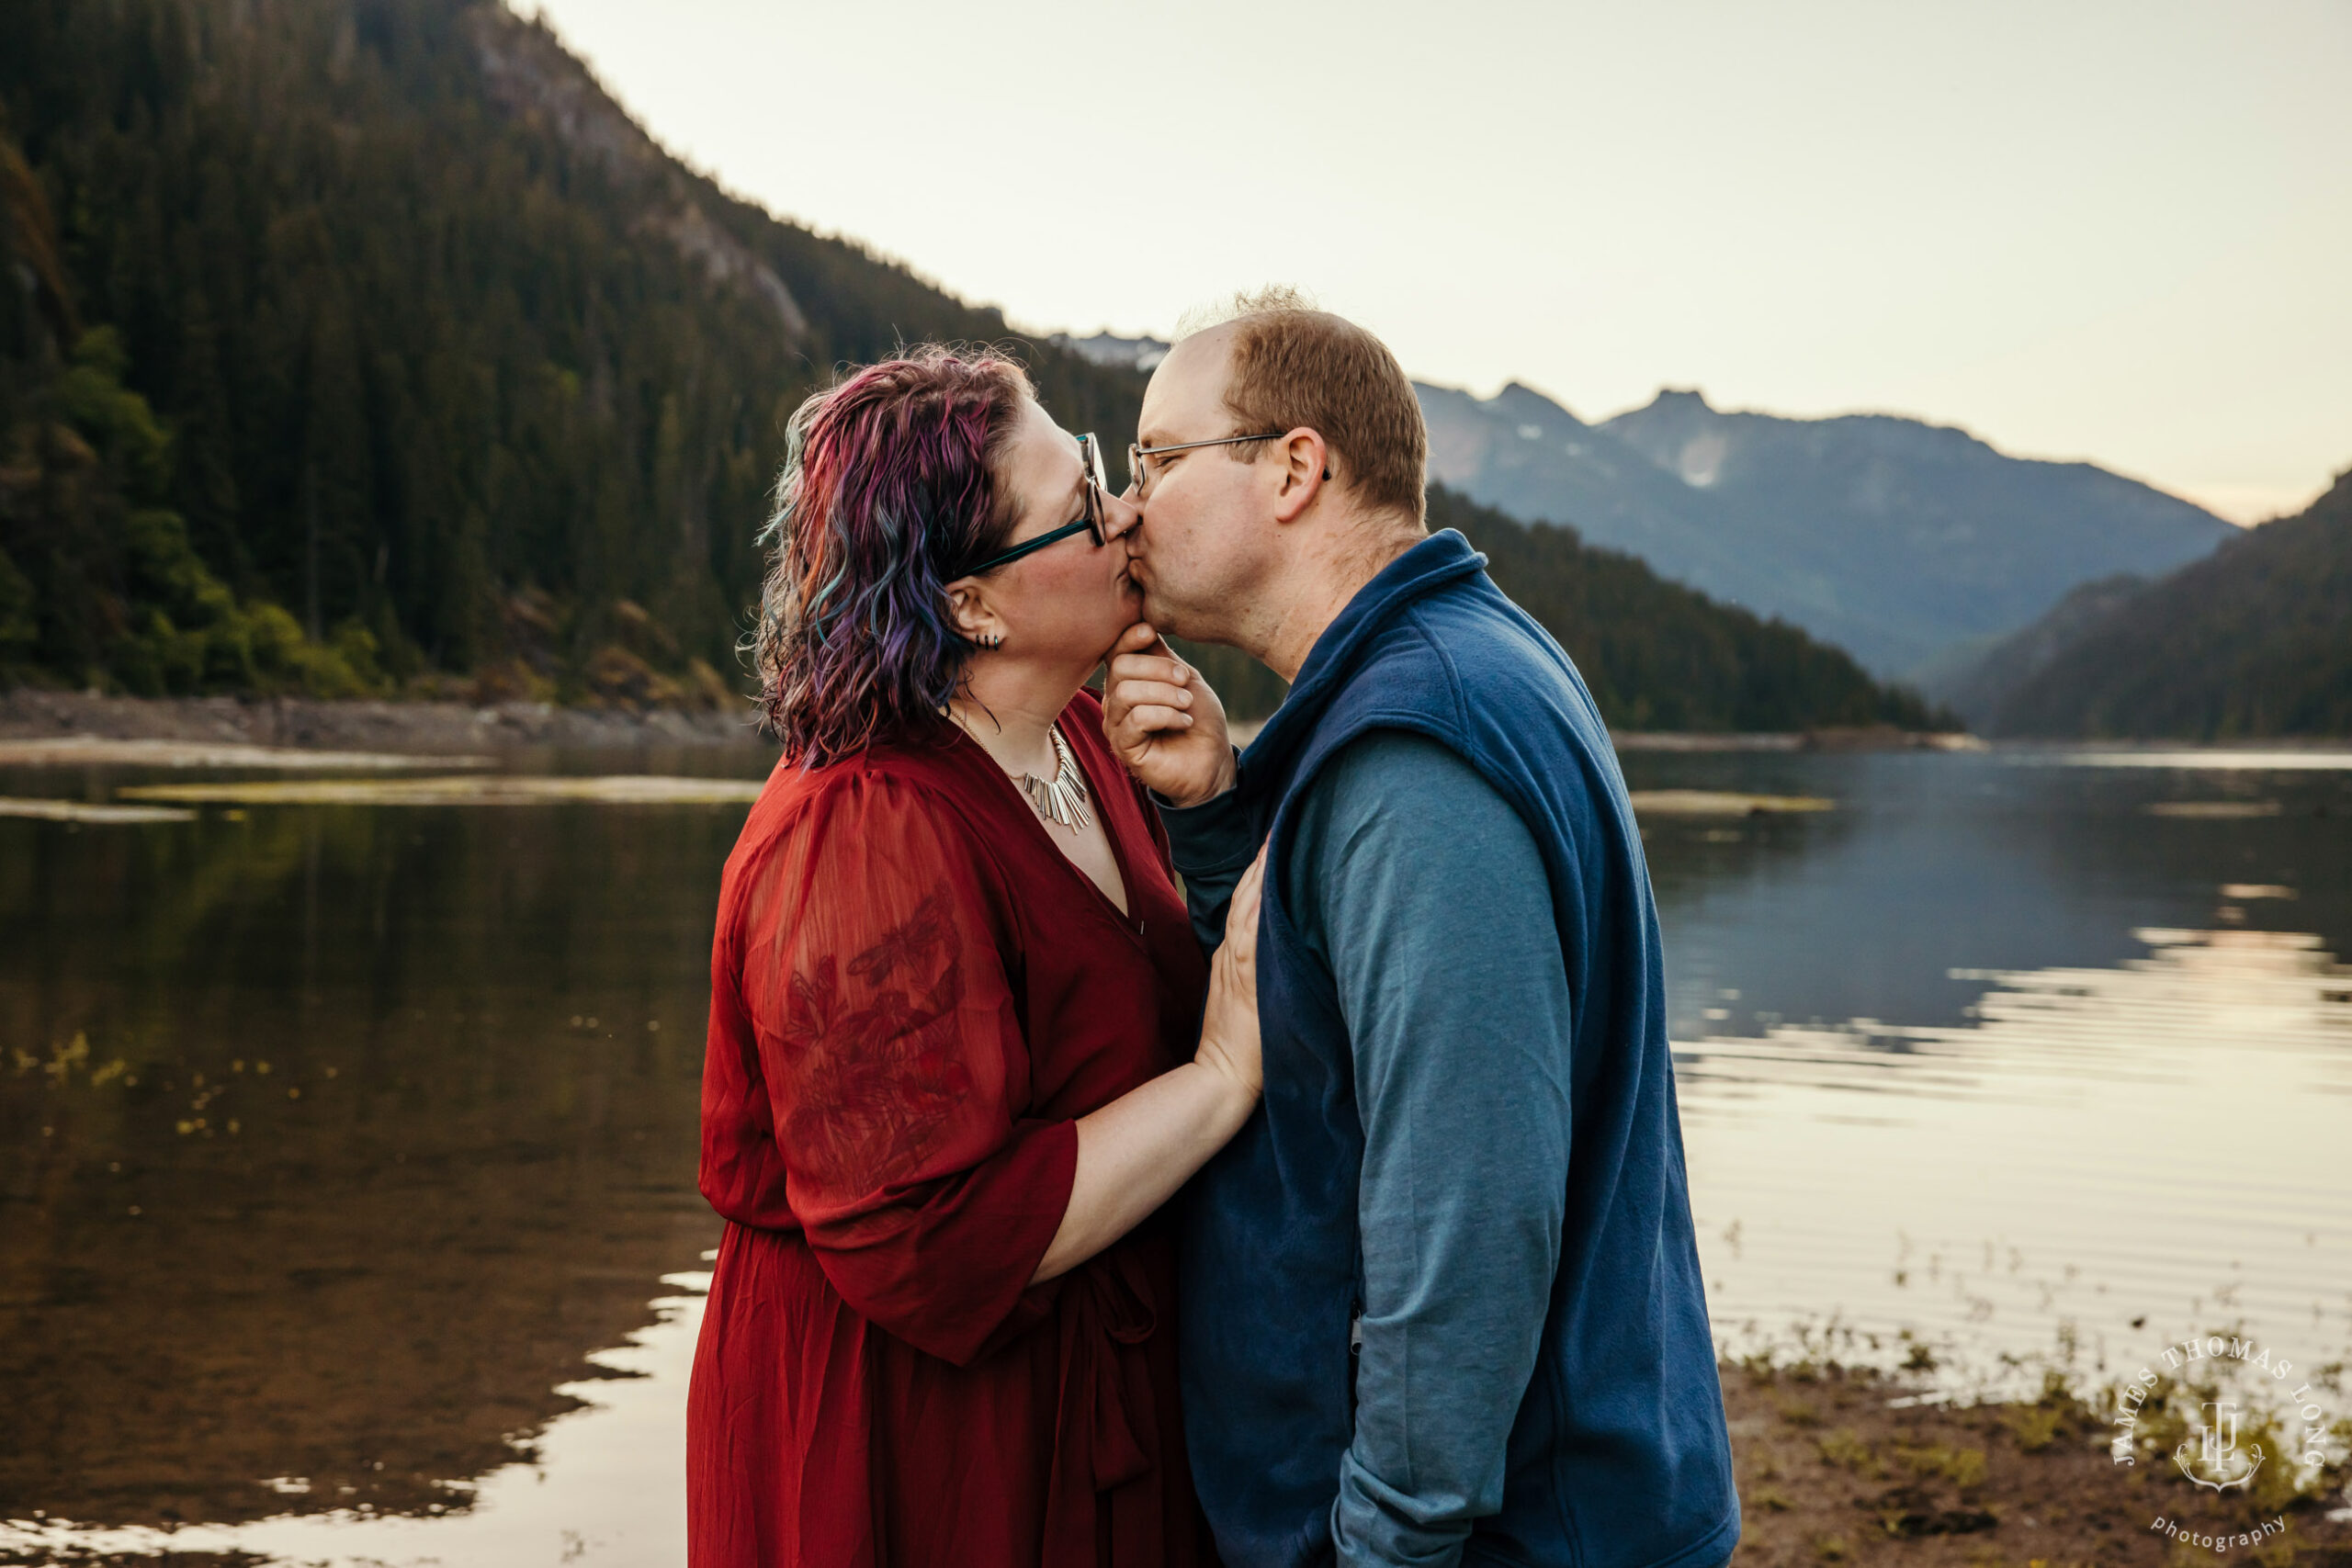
pixel 1442 558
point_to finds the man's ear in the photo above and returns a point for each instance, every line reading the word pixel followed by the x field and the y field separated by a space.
pixel 1305 460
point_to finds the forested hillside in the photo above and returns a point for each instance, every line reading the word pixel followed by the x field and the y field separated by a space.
pixel 365 345
pixel 1657 655
pixel 417 337
pixel 1660 656
pixel 2255 640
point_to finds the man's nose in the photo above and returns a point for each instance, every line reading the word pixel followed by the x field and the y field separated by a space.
pixel 1119 517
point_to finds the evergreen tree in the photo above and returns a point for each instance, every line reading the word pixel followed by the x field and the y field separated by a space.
pixel 367 345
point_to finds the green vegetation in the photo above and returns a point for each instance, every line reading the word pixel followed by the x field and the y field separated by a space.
pixel 2254 640
pixel 1657 655
pixel 366 346
pixel 94 477
pixel 425 346
pixel 1964 1467
pixel 1660 656
pixel 1842 1447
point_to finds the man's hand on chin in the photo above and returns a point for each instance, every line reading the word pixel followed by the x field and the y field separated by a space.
pixel 1164 722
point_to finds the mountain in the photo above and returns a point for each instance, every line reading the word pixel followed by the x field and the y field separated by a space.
pixel 1980 677
pixel 1894 538
pixel 368 346
pixel 2254 640
pixel 1660 656
pixel 368 343
pixel 1108 348
pixel 1657 655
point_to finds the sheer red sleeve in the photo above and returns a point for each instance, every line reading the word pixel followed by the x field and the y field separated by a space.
pixel 875 982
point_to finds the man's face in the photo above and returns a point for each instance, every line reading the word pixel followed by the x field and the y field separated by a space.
pixel 1205 527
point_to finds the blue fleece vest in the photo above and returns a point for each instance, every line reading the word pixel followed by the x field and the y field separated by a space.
pixel 1618 1457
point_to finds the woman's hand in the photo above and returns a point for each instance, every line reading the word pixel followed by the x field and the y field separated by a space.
pixel 1163 721
pixel 1229 1041
pixel 1134 1152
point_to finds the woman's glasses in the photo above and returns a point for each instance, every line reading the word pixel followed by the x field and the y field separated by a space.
pixel 1089 457
pixel 1139 476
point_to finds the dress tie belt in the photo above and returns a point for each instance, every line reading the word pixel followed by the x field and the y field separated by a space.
pixel 1106 1429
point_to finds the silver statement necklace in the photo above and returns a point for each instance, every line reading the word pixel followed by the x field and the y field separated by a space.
pixel 1061 799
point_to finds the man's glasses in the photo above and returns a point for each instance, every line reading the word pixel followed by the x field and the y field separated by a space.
pixel 1089 457
pixel 1140 471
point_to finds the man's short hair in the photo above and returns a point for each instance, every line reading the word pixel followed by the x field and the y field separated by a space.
pixel 1294 366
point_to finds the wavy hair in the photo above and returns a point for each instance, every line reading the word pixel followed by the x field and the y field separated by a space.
pixel 889 494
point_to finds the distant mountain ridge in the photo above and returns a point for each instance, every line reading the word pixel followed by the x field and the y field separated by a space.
pixel 1655 655
pixel 1976 686
pixel 2254 640
pixel 371 347
pixel 1902 541
pixel 1108 348
pixel 1914 545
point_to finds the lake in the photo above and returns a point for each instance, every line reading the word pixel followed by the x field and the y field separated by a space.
pixel 346 1150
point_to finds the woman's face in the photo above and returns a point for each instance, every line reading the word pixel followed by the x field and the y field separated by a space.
pixel 1072 598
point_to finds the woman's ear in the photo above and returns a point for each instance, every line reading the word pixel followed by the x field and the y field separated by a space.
pixel 968 613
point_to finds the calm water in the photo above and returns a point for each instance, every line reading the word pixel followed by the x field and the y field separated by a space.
pixel 346 1203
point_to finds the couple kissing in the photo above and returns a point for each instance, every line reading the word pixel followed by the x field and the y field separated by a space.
pixel 1326 1206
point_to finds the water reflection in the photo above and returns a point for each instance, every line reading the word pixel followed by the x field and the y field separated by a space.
pixel 331 1140
pixel 343 1150
pixel 2007 1061
pixel 1933 865
pixel 2106 1158
pixel 603 1485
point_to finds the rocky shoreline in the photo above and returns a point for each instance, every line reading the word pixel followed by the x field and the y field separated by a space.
pixel 429 727
pixel 1838 1468
pixel 27 713
pixel 1846 1468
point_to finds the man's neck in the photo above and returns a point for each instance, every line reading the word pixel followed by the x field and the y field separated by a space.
pixel 1325 588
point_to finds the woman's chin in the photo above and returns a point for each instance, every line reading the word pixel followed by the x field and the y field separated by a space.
pixel 1133 612
pixel 1111 643
pixel 1102 623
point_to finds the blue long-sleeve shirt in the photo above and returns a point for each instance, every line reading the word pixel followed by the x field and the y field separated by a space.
pixel 1425 895
pixel 1617 1454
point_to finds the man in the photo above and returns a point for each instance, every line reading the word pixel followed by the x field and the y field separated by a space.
pixel 1441 1301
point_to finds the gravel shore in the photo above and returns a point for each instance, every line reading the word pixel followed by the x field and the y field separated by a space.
pixel 421 727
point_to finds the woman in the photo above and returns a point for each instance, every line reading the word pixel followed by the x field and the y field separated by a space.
pixel 953 1065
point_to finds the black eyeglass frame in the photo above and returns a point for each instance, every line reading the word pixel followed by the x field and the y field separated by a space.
pixel 1089 456
pixel 1137 454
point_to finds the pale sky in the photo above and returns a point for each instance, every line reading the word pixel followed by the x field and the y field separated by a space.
pixel 2119 231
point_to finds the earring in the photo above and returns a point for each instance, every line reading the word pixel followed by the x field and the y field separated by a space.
pixel 991 639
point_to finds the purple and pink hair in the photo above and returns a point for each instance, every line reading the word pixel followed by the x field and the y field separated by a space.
pixel 889 494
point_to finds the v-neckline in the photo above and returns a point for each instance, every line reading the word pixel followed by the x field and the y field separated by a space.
pixel 1124 918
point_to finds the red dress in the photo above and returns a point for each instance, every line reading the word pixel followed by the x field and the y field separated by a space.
pixel 913 995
